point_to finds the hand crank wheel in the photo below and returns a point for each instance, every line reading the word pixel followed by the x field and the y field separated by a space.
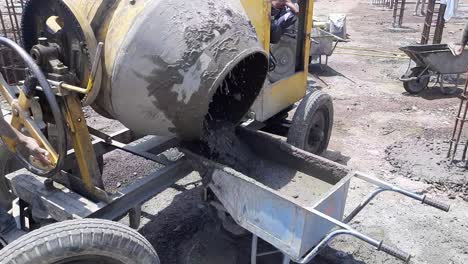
pixel 23 119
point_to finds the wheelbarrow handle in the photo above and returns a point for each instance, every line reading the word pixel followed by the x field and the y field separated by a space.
pixel 397 253
pixel 436 204
pixel 384 186
pixel 379 245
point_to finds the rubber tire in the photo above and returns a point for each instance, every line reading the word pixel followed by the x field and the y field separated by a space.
pixel 79 239
pixel 416 86
pixel 301 126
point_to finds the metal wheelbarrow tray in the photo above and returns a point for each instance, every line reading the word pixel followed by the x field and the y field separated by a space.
pixel 323 43
pixel 431 60
pixel 292 199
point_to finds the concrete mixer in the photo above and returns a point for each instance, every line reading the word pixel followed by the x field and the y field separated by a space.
pixel 168 70
pixel 167 65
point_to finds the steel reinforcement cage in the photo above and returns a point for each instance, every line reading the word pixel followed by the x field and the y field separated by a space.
pixel 11 67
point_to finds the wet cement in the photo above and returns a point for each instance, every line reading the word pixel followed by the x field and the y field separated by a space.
pixel 227 148
pixel 424 158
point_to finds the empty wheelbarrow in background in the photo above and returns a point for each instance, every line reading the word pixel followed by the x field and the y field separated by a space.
pixel 432 60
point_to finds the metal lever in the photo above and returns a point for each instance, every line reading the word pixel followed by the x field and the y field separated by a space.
pixel 90 86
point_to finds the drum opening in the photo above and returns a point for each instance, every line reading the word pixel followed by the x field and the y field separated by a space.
pixel 238 91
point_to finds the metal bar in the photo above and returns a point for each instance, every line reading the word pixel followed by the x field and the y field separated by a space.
pixel 143 190
pixel 402 13
pixel 379 245
pixel 3 24
pixel 81 141
pixel 15 27
pixel 253 254
pixel 152 153
pixel 74 183
pixel 460 129
pixel 11 21
pixel 96 62
pixel 363 204
pixel 439 30
pixel 428 22
pixel 395 11
pixel 389 187
pixel 286 259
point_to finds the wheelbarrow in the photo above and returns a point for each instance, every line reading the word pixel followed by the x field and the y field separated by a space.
pixel 432 60
pixel 323 43
pixel 288 197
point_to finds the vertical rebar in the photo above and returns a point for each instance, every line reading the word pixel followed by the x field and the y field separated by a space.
pixel 3 25
pixel 439 30
pixel 459 124
pixel 11 21
pixel 16 27
pixel 395 13
pixel 428 22
pixel 402 13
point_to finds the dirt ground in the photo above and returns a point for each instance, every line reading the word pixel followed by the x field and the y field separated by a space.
pixel 379 129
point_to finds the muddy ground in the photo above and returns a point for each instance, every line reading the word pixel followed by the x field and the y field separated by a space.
pixel 379 129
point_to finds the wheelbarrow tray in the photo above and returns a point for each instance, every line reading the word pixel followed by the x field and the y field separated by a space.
pixel 437 58
pixel 274 199
pixel 322 43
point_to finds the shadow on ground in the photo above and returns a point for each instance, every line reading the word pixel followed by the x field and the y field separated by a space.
pixel 320 70
pixel 434 94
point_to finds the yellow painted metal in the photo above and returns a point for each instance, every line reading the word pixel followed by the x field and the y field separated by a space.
pixel 278 96
pixel 21 118
pixel 81 10
pixel 81 142
pixel 259 14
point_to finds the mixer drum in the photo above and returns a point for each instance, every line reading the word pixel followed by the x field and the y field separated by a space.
pixel 169 67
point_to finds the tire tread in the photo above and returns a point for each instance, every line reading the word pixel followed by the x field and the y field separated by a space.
pixel 40 243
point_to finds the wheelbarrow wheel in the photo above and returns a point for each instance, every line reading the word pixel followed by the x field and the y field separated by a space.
pixel 80 242
pixel 312 123
pixel 416 86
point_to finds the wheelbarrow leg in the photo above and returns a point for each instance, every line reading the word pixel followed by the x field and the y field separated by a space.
pixel 253 254
pixel 286 259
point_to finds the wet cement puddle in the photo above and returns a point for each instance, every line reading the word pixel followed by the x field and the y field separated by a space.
pixel 424 159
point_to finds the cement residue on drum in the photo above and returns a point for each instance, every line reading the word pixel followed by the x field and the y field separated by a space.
pixel 228 149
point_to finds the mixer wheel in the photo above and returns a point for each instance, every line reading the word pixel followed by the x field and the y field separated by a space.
pixel 312 123
pixel 80 242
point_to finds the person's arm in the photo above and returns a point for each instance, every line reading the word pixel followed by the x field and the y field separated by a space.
pixel 8 131
pixel 292 6
pixel 29 143
pixel 458 48
pixel 465 35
